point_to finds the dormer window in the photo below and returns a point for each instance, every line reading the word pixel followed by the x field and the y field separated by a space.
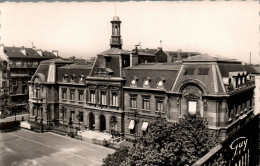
pixel 65 77
pixel 73 78
pixel 133 81
pixel 160 82
pixel 81 78
pixel 146 82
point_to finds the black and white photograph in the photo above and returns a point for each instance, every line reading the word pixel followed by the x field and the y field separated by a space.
pixel 129 83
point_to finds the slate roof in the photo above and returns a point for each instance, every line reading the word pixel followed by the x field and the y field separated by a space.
pixel 114 51
pixel 73 69
pixel 15 52
pixel 225 68
pixel 156 66
pixel 208 58
pixel 257 68
pixel 154 71
pixel 251 69
pixel 56 60
pixel 147 50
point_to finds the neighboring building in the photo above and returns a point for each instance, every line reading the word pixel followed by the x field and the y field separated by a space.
pixel 256 76
pixel 176 56
pixel 152 55
pixel 201 83
pixel 4 81
pixel 21 63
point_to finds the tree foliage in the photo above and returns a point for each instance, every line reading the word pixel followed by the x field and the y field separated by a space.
pixel 165 143
pixel 118 158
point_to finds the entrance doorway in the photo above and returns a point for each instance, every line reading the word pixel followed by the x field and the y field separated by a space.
pixel 91 121
pixel 102 123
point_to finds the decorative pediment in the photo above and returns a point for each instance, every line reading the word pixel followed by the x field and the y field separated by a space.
pixel 192 96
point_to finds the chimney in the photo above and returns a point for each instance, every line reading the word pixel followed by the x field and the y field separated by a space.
pixel 23 50
pixel 34 48
pixel 55 52
pixel 39 51
pixel 134 57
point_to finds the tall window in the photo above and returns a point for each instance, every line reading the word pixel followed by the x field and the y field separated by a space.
pixel 64 114
pixel 14 82
pixel 146 103
pixel 72 115
pixel 133 102
pixel 159 105
pixel 72 94
pixel 64 93
pixel 103 98
pixel 37 95
pixel 92 96
pixel 80 116
pixel 39 112
pixel 114 99
pixel 81 95
pixel 192 106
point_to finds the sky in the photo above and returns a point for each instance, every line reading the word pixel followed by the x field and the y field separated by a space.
pixel 82 29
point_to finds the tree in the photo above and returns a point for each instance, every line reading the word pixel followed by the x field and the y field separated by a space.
pixel 4 98
pixel 118 158
pixel 165 143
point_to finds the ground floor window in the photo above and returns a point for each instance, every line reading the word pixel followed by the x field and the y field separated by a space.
pixel 80 117
pixel 132 127
pixel 192 107
pixel 72 115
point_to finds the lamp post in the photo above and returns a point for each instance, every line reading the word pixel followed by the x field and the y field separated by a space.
pixel 78 117
pixel 41 124
pixel 48 112
pixel 63 114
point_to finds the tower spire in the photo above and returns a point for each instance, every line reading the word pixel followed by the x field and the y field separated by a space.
pixel 115 41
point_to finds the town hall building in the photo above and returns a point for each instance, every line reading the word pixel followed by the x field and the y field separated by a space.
pixel 124 90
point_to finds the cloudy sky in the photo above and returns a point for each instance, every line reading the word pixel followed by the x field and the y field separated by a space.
pixel 228 29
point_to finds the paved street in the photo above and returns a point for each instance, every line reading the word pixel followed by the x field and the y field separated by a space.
pixel 24 148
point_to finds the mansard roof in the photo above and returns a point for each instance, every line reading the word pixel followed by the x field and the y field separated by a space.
pixel 153 71
pixel 208 58
pixel 114 51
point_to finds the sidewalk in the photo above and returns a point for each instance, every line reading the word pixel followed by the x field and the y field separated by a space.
pixel 88 134
pixel 18 118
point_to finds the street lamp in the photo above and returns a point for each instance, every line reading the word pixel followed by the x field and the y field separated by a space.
pixel 78 117
pixel 63 114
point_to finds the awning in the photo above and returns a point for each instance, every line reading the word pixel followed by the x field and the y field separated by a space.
pixel 144 126
pixel 132 124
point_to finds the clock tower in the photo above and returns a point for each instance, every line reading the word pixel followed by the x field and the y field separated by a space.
pixel 116 41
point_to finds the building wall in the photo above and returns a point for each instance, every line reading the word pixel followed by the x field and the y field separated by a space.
pixel 257 94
